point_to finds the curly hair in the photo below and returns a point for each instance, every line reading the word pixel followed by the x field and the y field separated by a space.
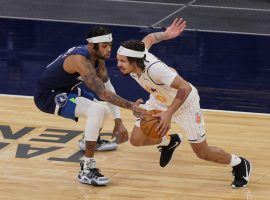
pixel 135 45
pixel 98 31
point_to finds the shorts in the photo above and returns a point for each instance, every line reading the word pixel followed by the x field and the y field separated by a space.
pixel 189 116
pixel 60 102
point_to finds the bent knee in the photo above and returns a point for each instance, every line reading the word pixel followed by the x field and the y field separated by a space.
pixel 135 142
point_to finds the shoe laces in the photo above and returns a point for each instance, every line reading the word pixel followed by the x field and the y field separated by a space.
pixel 102 141
pixel 160 148
pixel 94 171
pixel 236 173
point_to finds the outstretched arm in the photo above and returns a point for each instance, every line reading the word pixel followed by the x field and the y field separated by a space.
pixel 88 73
pixel 174 30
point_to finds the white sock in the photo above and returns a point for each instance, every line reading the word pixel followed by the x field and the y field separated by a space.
pixel 165 140
pixel 89 162
pixel 235 160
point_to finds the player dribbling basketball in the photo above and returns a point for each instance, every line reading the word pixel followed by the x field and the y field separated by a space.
pixel 179 101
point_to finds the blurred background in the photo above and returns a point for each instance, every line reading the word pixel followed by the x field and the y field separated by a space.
pixel 224 52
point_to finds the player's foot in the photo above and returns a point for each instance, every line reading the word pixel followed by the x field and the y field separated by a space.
pixel 167 151
pixel 102 144
pixel 91 176
pixel 241 173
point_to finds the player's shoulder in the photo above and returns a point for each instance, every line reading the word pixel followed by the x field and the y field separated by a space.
pixel 153 64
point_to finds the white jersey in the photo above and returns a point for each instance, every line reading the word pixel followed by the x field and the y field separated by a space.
pixel 156 79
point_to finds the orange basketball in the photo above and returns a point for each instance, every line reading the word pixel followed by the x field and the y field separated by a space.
pixel 149 123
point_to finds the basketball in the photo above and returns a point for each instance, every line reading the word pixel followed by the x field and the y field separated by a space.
pixel 149 123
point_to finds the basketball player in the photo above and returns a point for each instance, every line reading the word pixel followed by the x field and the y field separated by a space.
pixel 179 101
pixel 58 92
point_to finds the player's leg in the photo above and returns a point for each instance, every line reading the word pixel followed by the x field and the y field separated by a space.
pixel 95 114
pixel 166 144
pixel 191 120
pixel 102 144
pixel 138 138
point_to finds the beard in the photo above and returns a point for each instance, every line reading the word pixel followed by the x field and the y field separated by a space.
pixel 101 57
pixel 127 74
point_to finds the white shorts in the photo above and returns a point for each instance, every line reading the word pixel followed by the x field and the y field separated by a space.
pixel 189 116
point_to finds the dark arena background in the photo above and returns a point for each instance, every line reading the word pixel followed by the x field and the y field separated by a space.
pixel 224 52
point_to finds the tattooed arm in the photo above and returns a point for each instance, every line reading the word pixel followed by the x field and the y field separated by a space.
pixel 103 75
pixel 88 73
pixel 174 30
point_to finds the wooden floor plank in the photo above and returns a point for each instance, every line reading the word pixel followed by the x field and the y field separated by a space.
pixel 134 171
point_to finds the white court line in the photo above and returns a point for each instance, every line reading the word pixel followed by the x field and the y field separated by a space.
pixel 145 2
pixel 76 22
pixel 17 96
pixel 232 8
pixel 129 25
pixel 208 110
pixel 168 16
pixel 228 32
pixel 173 13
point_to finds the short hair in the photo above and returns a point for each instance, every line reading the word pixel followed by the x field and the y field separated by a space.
pixel 136 45
pixel 98 31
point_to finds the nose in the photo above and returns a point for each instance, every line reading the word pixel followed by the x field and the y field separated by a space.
pixel 109 48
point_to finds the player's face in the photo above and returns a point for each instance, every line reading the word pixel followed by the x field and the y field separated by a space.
pixel 124 65
pixel 104 50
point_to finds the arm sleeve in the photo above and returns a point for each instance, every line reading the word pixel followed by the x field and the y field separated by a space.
pixel 114 109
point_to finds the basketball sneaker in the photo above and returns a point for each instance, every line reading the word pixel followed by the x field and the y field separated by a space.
pixel 91 176
pixel 167 151
pixel 102 144
pixel 241 173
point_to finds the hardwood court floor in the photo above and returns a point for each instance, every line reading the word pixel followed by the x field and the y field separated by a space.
pixel 40 162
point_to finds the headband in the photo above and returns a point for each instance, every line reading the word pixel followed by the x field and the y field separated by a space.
pixel 130 53
pixel 101 38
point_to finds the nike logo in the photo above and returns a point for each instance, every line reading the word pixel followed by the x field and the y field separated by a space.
pixel 175 145
pixel 247 175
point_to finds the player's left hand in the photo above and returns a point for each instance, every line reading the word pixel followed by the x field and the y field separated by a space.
pixel 120 132
pixel 176 28
pixel 165 122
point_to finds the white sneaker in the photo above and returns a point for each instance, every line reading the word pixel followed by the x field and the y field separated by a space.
pixel 92 176
pixel 102 145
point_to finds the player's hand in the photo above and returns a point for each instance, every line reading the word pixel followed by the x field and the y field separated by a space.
pixel 176 28
pixel 137 110
pixel 165 122
pixel 120 132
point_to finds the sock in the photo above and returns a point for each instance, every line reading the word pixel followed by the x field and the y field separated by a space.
pixel 89 163
pixel 165 140
pixel 235 160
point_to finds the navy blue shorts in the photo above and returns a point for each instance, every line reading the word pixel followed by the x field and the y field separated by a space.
pixel 59 102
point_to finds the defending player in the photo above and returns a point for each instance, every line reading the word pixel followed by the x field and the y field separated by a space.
pixel 179 101
pixel 58 92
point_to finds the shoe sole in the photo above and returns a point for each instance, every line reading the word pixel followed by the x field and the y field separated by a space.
pixel 110 148
pixel 94 183
pixel 248 178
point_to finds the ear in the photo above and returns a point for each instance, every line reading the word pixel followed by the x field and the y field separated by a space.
pixel 134 64
pixel 91 44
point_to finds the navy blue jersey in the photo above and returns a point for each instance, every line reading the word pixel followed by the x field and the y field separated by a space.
pixel 55 77
pixel 56 81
